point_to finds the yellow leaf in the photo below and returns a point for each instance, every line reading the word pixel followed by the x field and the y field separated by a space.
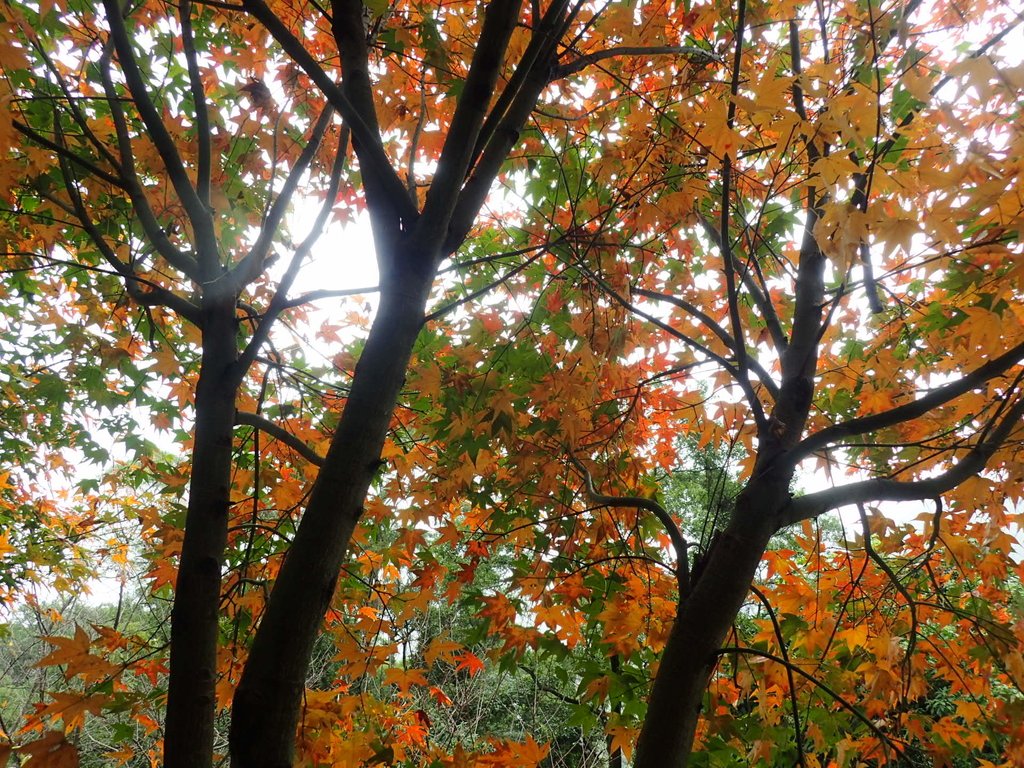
pixel 720 140
pixel 460 758
pixel 835 168
pixel 855 637
pixel 896 232
pixel 979 73
pixel 72 707
pixel 1015 666
pixel 622 739
pixel 968 710
pixel 68 649
pixel 918 85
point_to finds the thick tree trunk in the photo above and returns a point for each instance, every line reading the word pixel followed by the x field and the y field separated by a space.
pixel 700 628
pixel 269 696
pixel 189 727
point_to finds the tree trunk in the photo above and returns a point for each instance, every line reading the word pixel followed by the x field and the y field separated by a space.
pixel 700 628
pixel 189 727
pixel 614 754
pixel 268 699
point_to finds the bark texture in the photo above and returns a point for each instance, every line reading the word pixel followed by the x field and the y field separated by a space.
pixel 189 728
pixel 268 699
pixel 700 627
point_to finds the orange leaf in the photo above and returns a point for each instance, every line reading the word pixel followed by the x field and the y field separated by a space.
pixel 437 694
pixel 469 662
pixel 72 707
pixel 122 755
pixel 622 739
pixel 441 648
pixel 74 653
pixel 405 678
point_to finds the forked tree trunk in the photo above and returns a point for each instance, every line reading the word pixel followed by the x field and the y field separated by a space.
pixel 189 727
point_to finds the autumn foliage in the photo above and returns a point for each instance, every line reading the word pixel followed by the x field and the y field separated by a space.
pixel 389 522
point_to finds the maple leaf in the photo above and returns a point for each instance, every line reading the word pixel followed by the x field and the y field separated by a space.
pixel 499 610
pixel 469 662
pixel 405 678
pixel 122 755
pixel 75 653
pixel 507 754
pixel 598 688
pixel 460 758
pixel 721 140
pixel 440 696
pixel 259 94
pixel 72 707
pixel 622 739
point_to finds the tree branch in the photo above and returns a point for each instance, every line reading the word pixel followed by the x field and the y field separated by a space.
pixel 500 130
pixel 279 302
pixel 808 676
pixel 548 689
pixel 799 359
pixel 181 261
pixel 348 25
pixel 312 296
pixel 798 731
pixel 199 214
pixel 156 295
pixel 484 289
pixel 886 489
pixel 379 177
pixel 251 265
pixel 700 55
pixel 909 411
pixel 763 376
pixel 525 68
pixel 500 18
pixel 869 548
pixel 278 432
pixel 73 108
pixel 203 138
pixel 695 345
pixel 800 356
pixel 221 6
pixel 739 344
pixel 759 296
pixel 66 153
pixel 679 543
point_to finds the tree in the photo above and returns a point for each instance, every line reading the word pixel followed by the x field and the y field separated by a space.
pixel 780 228
pixel 813 374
